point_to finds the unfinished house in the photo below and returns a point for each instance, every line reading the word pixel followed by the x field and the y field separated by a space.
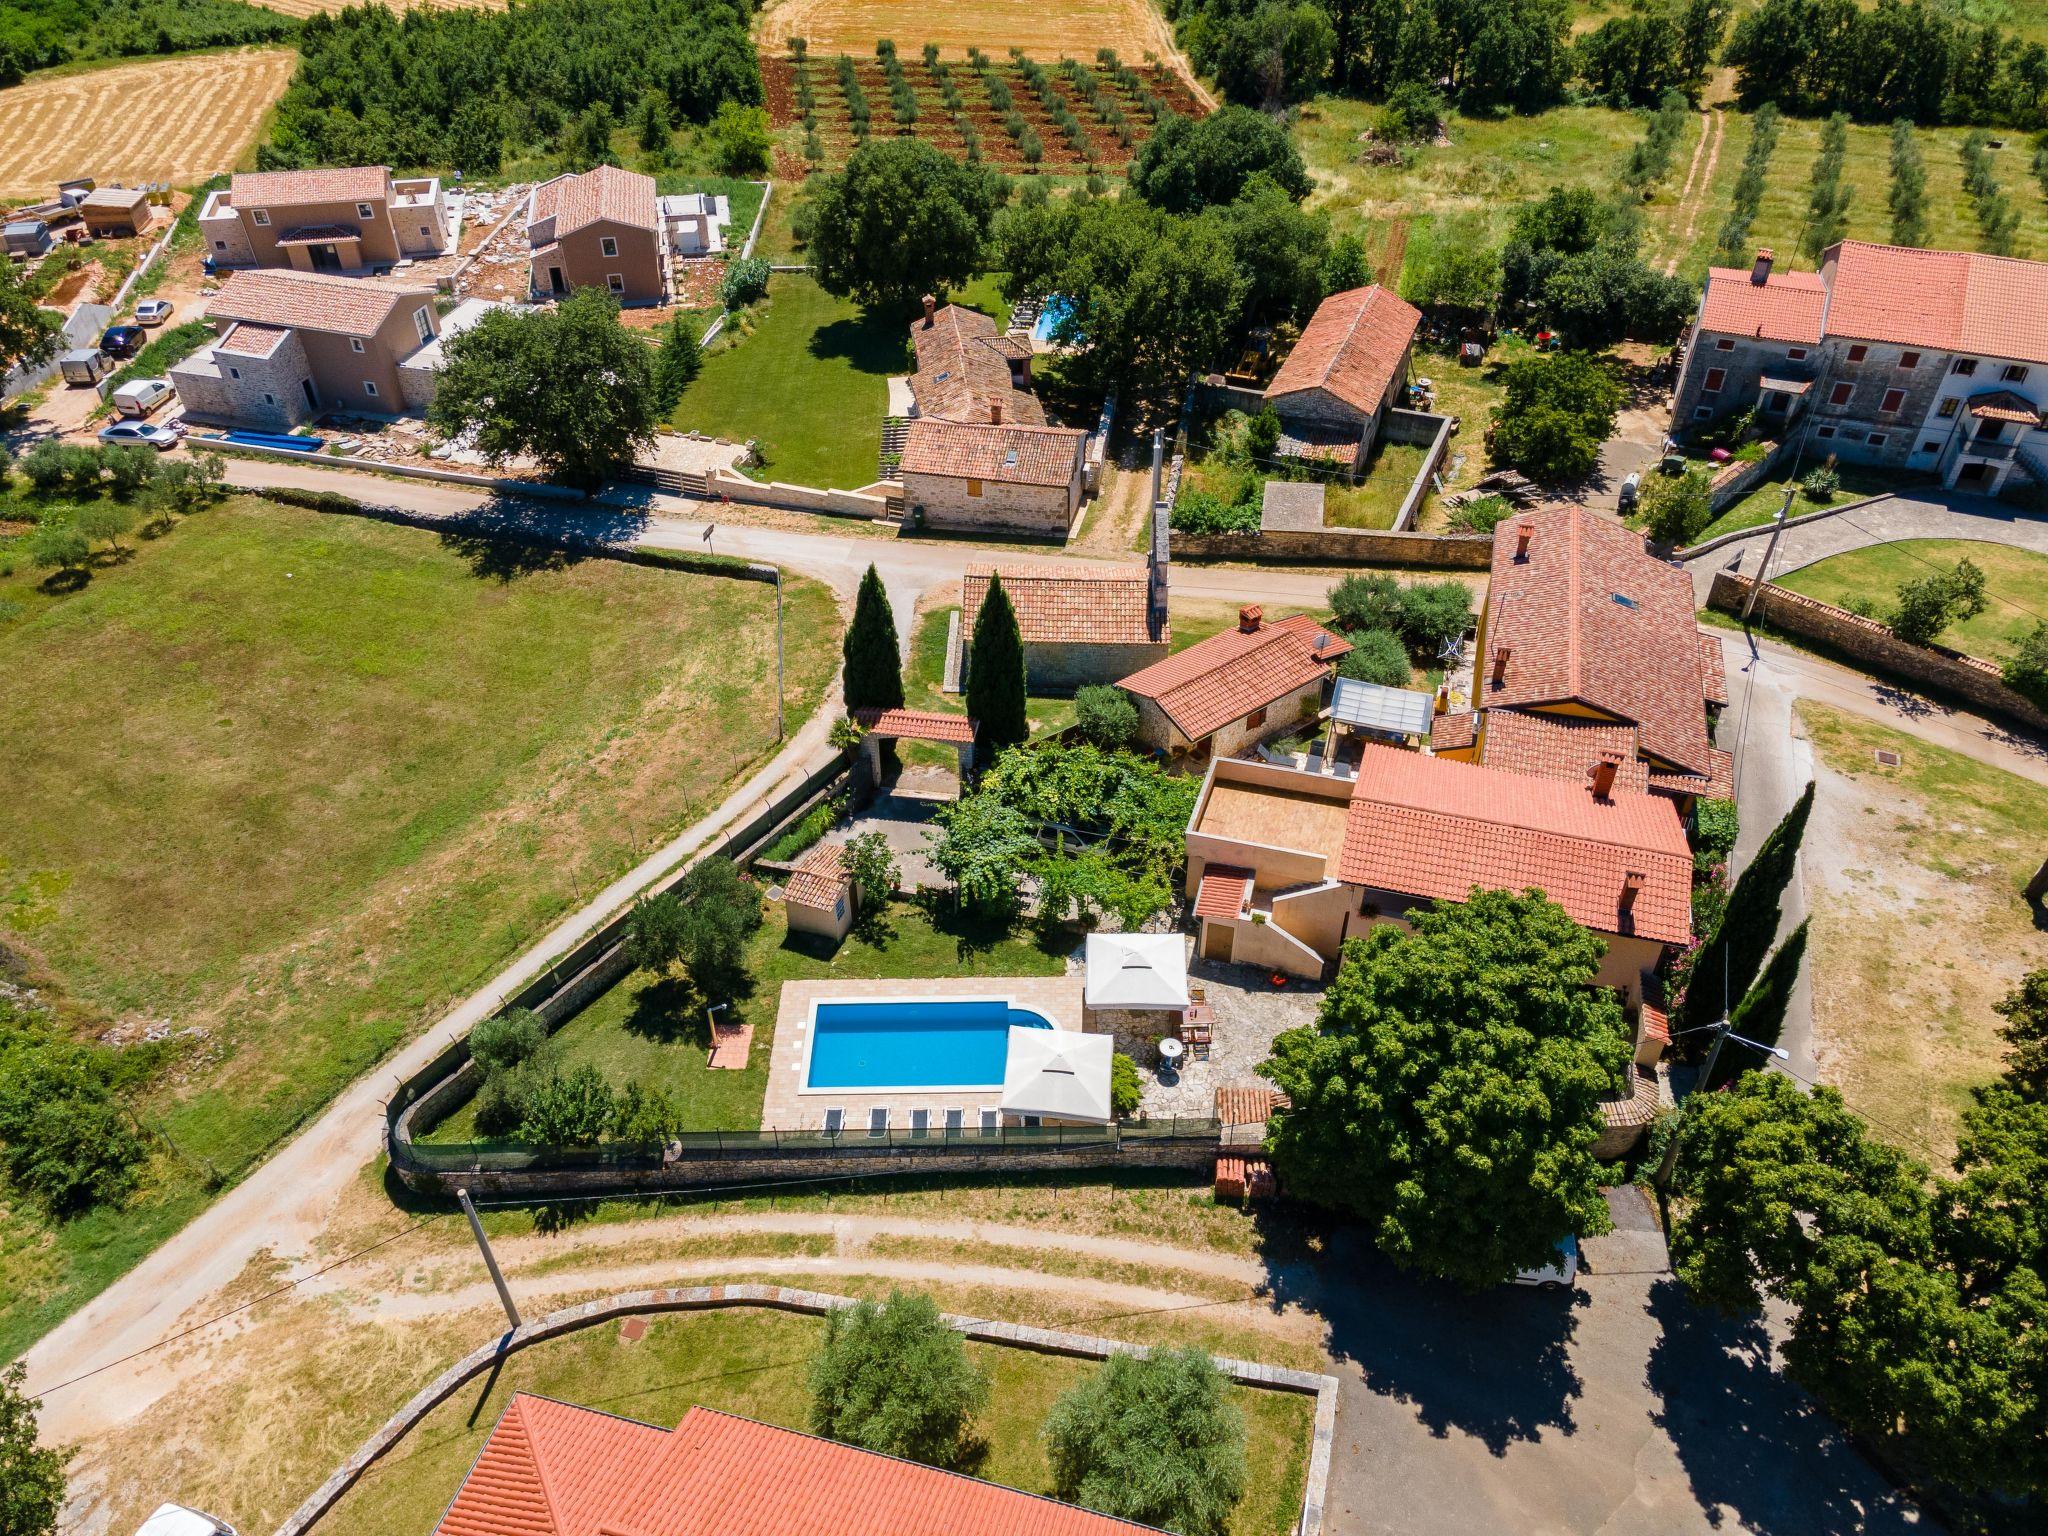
pixel 292 345
pixel 1349 368
pixel 1933 362
pixel 1228 692
pixel 695 222
pixel 602 229
pixel 1588 653
pixel 353 219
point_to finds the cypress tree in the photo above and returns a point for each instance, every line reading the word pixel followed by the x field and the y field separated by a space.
pixel 678 361
pixel 995 672
pixel 1728 961
pixel 1760 1016
pixel 874 667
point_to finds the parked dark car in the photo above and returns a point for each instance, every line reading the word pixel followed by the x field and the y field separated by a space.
pixel 122 340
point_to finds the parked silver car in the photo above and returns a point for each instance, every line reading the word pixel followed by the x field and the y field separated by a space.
pixel 153 311
pixel 161 438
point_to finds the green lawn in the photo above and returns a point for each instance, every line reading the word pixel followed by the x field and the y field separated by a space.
pixel 1761 504
pixel 1376 500
pixel 301 781
pixel 653 1031
pixel 2016 586
pixel 809 385
pixel 922 689
pixel 755 1364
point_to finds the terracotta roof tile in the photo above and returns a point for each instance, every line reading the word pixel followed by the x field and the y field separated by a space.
pixel 603 194
pixel 1227 676
pixel 1713 670
pixel 1248 1104
pixel 292 189
pixel 251 340
pixel 917 725
pixel 963 366
pixel 1951 301
pixel 1789 307
pixel 819 879
pixel 1432 828
pixel 1351 347
pixel 550 1469
pixel 311 301
pixel 1717 783
pixel 1008 455
pixel 1109 605
pixel 1588 617
pixel 1223 892
pixel 319 234
pixel 1454 732
pixel 1557 747
pixel 2005 405
pixel 1641 1105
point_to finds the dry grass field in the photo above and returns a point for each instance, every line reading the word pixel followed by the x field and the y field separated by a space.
pixel 177 120
pixel 1044 29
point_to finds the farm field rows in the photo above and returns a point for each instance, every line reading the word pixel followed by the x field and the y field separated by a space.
pixel 178 120
pixel 1042 28
pixel 1115 111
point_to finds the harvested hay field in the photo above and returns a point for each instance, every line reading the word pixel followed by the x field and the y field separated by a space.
pixel 177 120
pixel 1044 29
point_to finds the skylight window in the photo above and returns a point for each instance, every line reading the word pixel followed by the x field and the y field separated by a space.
pixel 1626 602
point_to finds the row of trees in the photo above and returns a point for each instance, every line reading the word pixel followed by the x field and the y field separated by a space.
pixel 36 34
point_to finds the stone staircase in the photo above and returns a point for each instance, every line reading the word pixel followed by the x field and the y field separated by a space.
pixel 895 431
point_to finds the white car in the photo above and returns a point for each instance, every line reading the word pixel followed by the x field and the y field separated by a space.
pixel 163 439
pixel 153 311
pixel 177 1520
pixel 1561 1273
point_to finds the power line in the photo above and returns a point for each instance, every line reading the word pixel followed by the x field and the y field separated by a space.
pixel 1901 546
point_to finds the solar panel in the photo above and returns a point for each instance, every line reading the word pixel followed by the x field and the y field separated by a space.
pixel 1371 707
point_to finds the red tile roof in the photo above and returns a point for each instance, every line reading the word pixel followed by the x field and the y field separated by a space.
pixel 244 340
pixel 1557 747
pixel 1951 301
pixel 1454 732
pixel 1588 617
pixel 917 724
pixel 1789 307
pixel 604 194
pixel 311 301
pixel 295 189
pixel 819 879
pixel 1713 670
pixel 1717 783
pixel 550 1469
pixel 1432 828
pixel 2004 405
pixel 1352 347
pixel 1110 605
pixel 1223 892
pixel 963 366
pixel 1008 455
pixel 1227 676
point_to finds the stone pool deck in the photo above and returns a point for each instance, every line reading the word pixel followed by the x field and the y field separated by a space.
pixel 786 1108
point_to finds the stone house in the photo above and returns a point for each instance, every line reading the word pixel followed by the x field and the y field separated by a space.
pixel 1228 692
pixel 602 229
pixel 345 219
pixel 291 345
pixel 819 893
pixel 1932 362
pixel 1021 479
pixel 1349 367
pixel 1079 626
pixel 116 213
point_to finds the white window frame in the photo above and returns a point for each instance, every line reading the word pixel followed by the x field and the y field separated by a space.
pixel 355 343
pixel 920 1122
pixel 1725 344
pixel 1795 354
pixel 608 246
pixel 1886 407
pixel 261 216
pixel 990 1119
pixel 615 281
pixel 1701 413
pixel 835 1121
pixel 1859 353
pixel 423 322
pixel 2015 373
pixel 878 1120
pixel 956 1121
pixel 370 388
pixel 1842 393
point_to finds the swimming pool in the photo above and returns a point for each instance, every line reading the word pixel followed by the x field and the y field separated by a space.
pixel 927 1044
pixel 1055 310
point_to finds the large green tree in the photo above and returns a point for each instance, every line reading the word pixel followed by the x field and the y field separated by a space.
pixel 995 673
pixel 902 220
pixel 2025 1033
pixel 31 1475
pixel 28 332
pixel 873 661
pixel 1556 413
pixel 1194 163
pixel 1154 1440
pixel 895 1378
pixel 1726 963
pixel 1449 1093
pixel 567 386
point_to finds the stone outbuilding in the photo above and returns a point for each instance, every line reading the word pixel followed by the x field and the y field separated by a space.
pixel 1349 368
pixel 1079 626
pixel 819 893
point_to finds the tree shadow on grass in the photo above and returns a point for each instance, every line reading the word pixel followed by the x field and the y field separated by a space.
pixel 973 933
pixel 669 1009
pixel 870 344
pixel 507 558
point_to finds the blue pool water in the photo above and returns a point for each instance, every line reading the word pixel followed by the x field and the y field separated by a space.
pixel 1056 309
pixel 944 1043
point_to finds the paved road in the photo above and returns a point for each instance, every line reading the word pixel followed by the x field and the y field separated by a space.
pixel 1914 515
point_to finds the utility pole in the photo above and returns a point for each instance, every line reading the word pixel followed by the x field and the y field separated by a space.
pixel 1756 586
pixel 490 1259
pixel 779 726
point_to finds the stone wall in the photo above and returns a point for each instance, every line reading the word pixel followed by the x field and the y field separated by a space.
pixel 1738 477
pixel 1045 510
pixel 1064 666
pixel 869 502
pixel 1975 682
pixel 1433 432
pixel 1341 546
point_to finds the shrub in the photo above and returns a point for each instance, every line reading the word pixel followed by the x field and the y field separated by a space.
pixel 896 1379
pixel 743 283
pixel 130 467
pixel 1262 435
pixel 1153 1440
pixel 573 1111
pixel 1677 508
pixel 55 548
pixel 1481 515
pixel 44 465
pixel 1366 602
pixel 65 1139
pixel 2025 670
pixel 1433 614
pixel 502 1100
pixel 740 139
pixel 506 1040
pixel 1206 512
pixel 1714 825
pixel 1821 484
pixel 1376 656
pixel 1126 1092
pixel 872 871
pixel 1105 715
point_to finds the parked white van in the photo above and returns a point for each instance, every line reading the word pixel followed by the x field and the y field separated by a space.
pixel 139 397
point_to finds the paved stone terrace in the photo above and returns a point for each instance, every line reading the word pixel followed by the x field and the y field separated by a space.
pixel 1250 1011
pixel 785 1108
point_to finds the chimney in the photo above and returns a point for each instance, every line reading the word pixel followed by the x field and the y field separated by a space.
pixel 1501 653
pixel 1524 531
pixel 1249 618
pixel 1761 272
pixel 995 413
pixel 1631 888
pixel 1603 775
pixel 931 310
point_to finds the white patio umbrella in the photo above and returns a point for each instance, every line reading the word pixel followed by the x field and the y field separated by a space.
pixel 1137 970
pixel 1062 1074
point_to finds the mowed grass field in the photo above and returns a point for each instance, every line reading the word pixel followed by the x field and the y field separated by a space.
pixel 2015 586
pixel 1044 29
pixel 178 120
pixel 299 782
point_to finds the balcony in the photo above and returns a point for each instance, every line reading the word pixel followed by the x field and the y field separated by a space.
pixel 1989 453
